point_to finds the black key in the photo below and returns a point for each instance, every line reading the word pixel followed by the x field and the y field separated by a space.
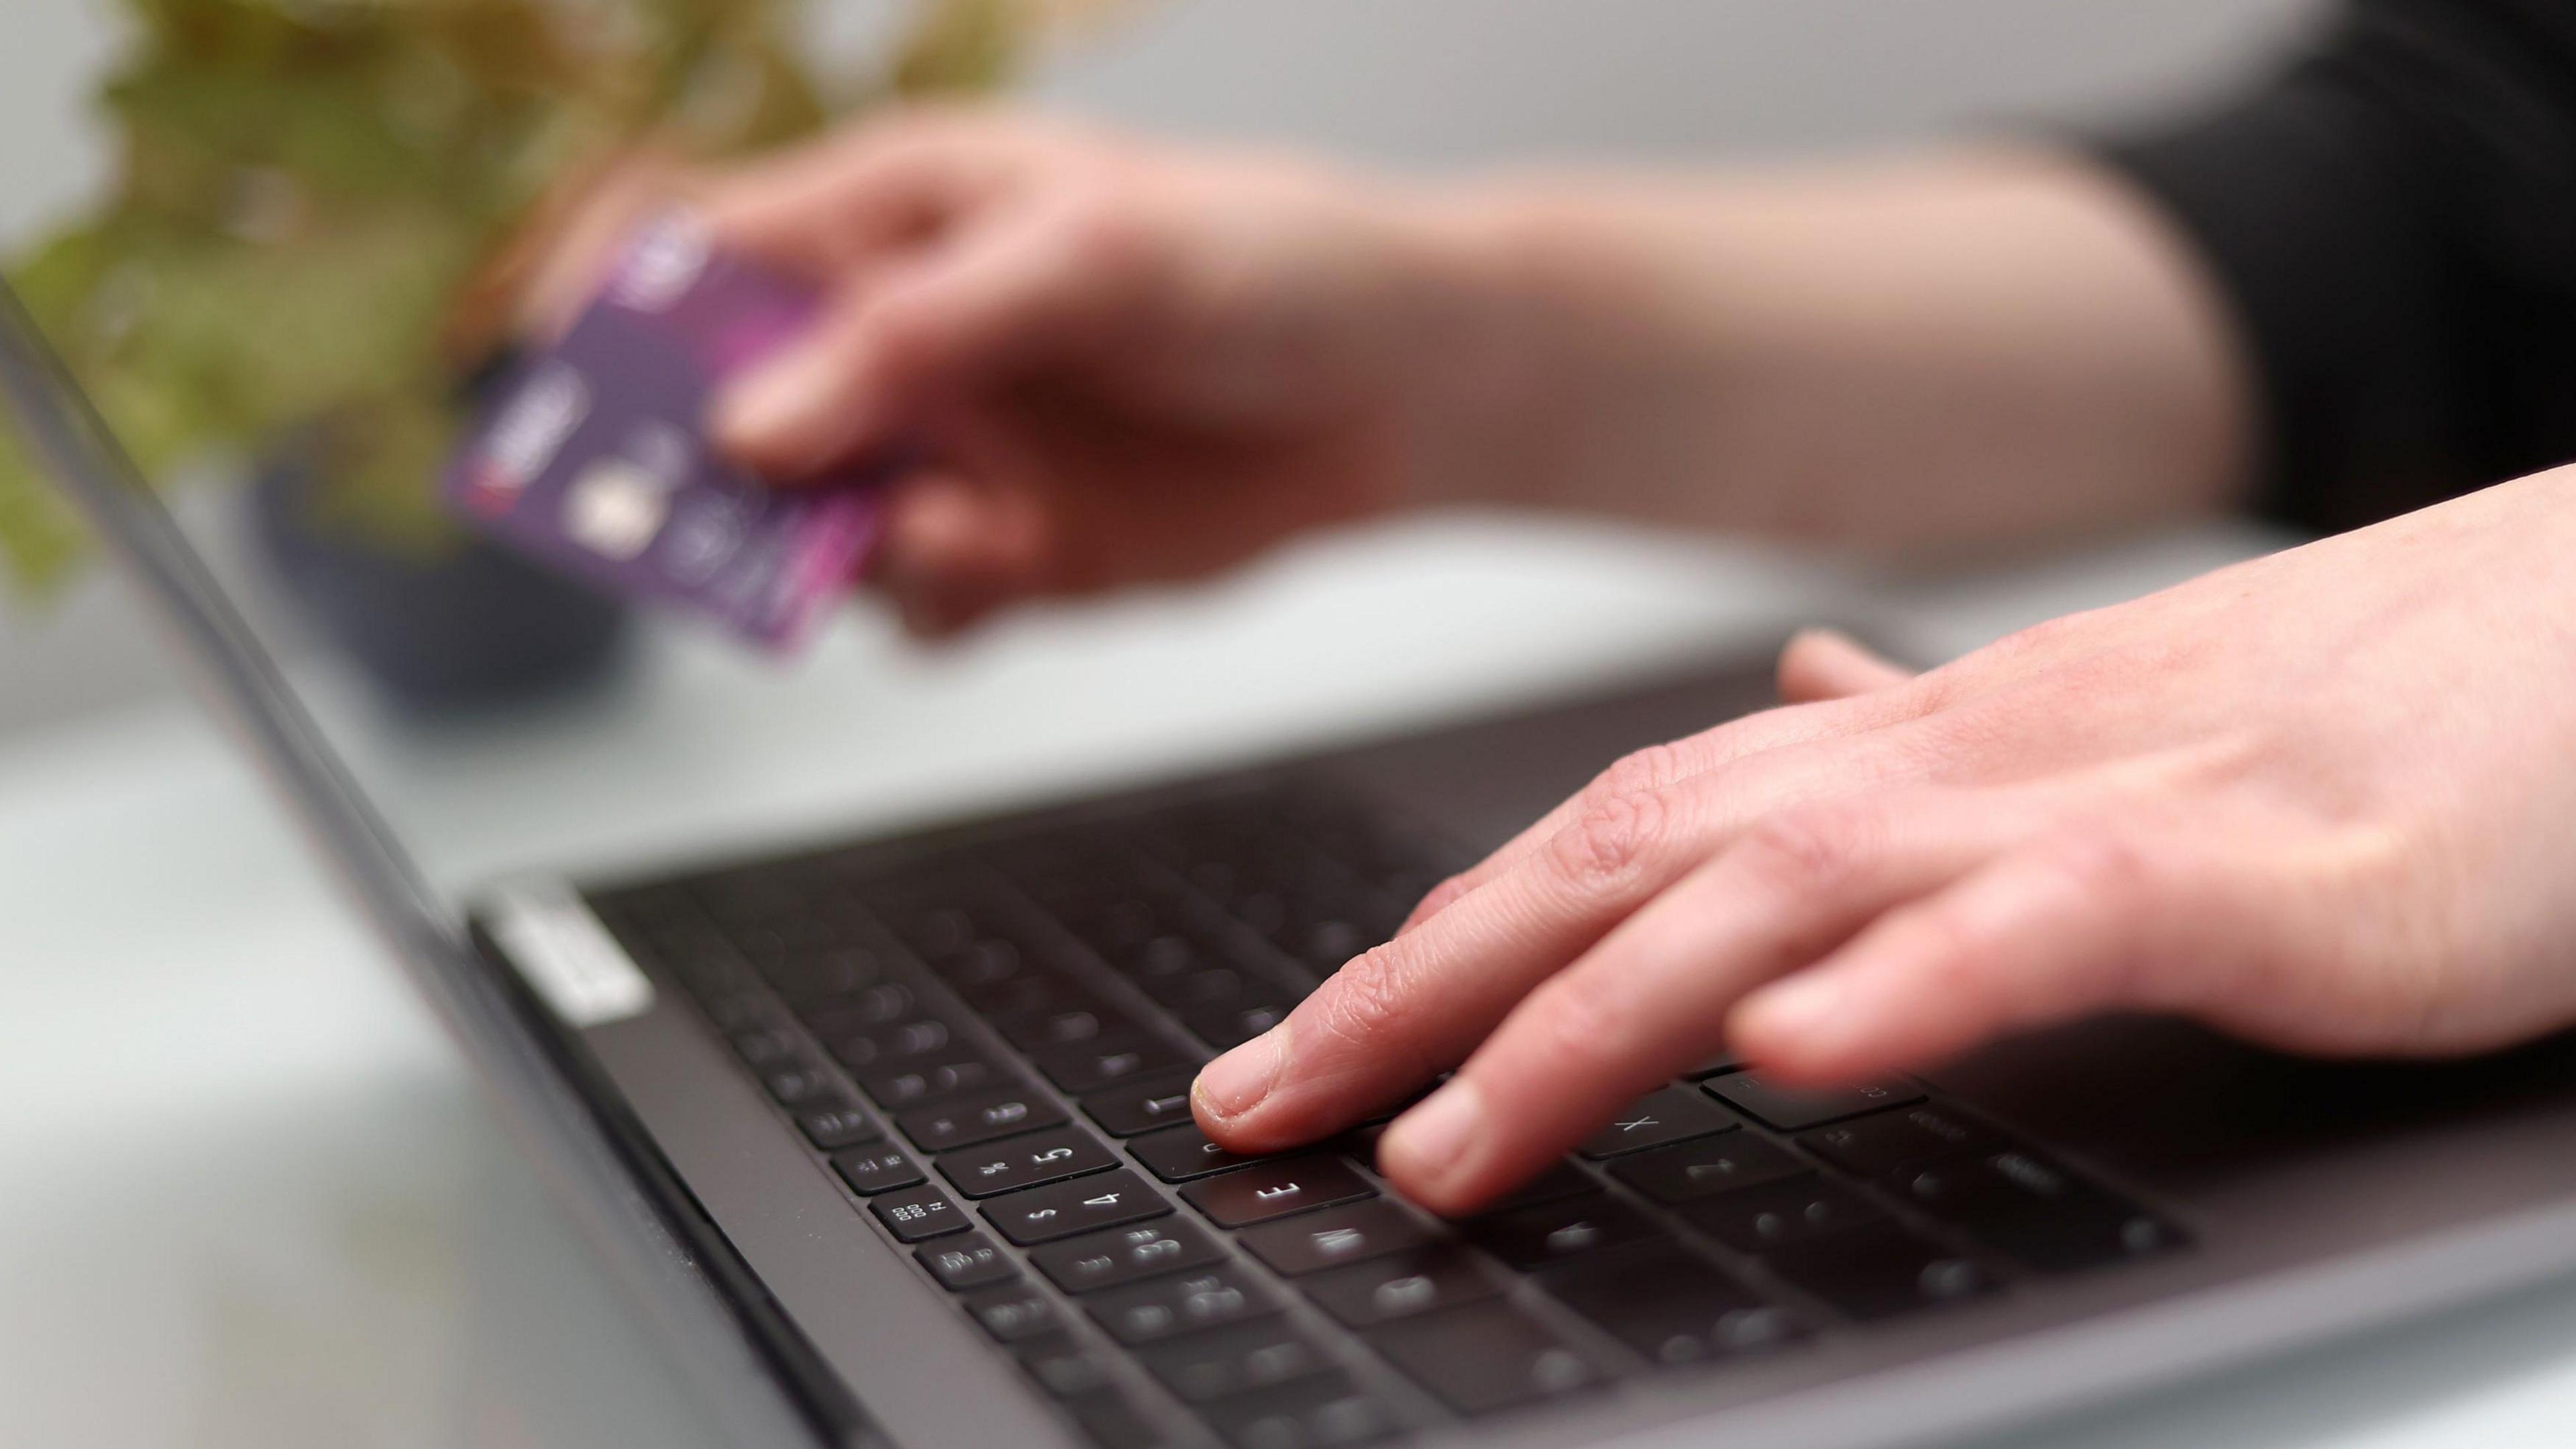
pixel 1559 1181
pixel 1064 1365
pixel 1274 1188
pixel 1105 1062
pixel 1774 1215
pixel 1062 1023
pixel 1232 1025
pixel 1671 1115
pixel 1113 1421
pixel 836 1124
pixel 925 1085
pixel 878 1169
pixel 1044 1214
pixel 1182 1303
pixel 1166 959
pixel 1115 928
pixel 980 1117
pixel 1141 1106
pixel 1533 1238
pixel 1689 1170
pixel 1183 1153
pixel 1026 1161
pixel 1235 1359
pixel 1671 1307
pixel 917 1213
pixel 1328 1239
pixel 903 1043
pixel 1484 1357
pixel 1893 1142
pixel 1205 986
pixel 856 1012
pixel 1717 1065
pixel 1421 1280
pixel 938 918
pixel 1796 1111
pixel 773 1047
pixel 966 1262
pixel 1879 1270
pixel 1321 1411
pixel 1013 1314
pixel 800 1084
pixel 985 963
pixel 2036 1212
pixel 821 974
pixel 1022 997
pixel 1121 1256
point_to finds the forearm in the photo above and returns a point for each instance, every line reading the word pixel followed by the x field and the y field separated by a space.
pixel 1940 353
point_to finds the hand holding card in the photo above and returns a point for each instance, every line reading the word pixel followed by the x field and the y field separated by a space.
pixel 593 455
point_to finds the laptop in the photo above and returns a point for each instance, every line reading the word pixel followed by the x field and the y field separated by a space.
pixel 890 1137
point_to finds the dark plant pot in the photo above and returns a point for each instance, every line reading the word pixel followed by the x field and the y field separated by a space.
pixel 475 629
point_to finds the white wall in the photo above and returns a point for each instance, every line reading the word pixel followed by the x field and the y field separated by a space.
pixel 1417 83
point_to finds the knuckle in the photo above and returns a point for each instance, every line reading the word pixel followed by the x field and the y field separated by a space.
pixel 1808 850
pixel 1611 839
pixel 1364 1003
pixel 1641 772
pixel 2104 867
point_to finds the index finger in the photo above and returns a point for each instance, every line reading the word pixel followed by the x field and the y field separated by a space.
pixel 841 203
pixel 1661 767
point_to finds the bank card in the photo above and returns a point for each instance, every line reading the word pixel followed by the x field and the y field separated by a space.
pixel 592 454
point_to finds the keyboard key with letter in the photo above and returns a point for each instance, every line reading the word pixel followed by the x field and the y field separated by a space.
pixel 1421 1280
pixel 1671 1115
pixel 1796 1111
pixel 1274 1188
pixel 1333 1237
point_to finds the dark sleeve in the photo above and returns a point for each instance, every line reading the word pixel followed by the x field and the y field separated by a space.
pixel 2394 220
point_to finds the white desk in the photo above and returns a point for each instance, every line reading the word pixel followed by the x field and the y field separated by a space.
pixel 252 1198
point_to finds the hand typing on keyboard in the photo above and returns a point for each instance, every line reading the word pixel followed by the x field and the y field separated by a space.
pixel 2316 799
pixel 2321 799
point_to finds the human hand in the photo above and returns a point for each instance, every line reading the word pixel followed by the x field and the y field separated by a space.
pixel 1116 363
pixel 2325 800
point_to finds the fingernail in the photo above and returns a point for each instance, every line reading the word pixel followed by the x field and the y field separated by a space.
pixel 1433 1138
pixel 1235 1083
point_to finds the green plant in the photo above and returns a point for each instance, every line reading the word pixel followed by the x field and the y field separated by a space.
pixel 312 197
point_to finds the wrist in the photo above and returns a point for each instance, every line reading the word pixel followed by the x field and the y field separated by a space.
pixel 1588 358
pixel 1495 356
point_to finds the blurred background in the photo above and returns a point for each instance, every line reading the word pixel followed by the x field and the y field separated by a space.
pixel 1428 84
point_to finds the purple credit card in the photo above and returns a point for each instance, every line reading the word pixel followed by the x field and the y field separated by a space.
pixel 593 455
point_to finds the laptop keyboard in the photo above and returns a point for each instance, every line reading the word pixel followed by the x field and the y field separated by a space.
pixel 991 1046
